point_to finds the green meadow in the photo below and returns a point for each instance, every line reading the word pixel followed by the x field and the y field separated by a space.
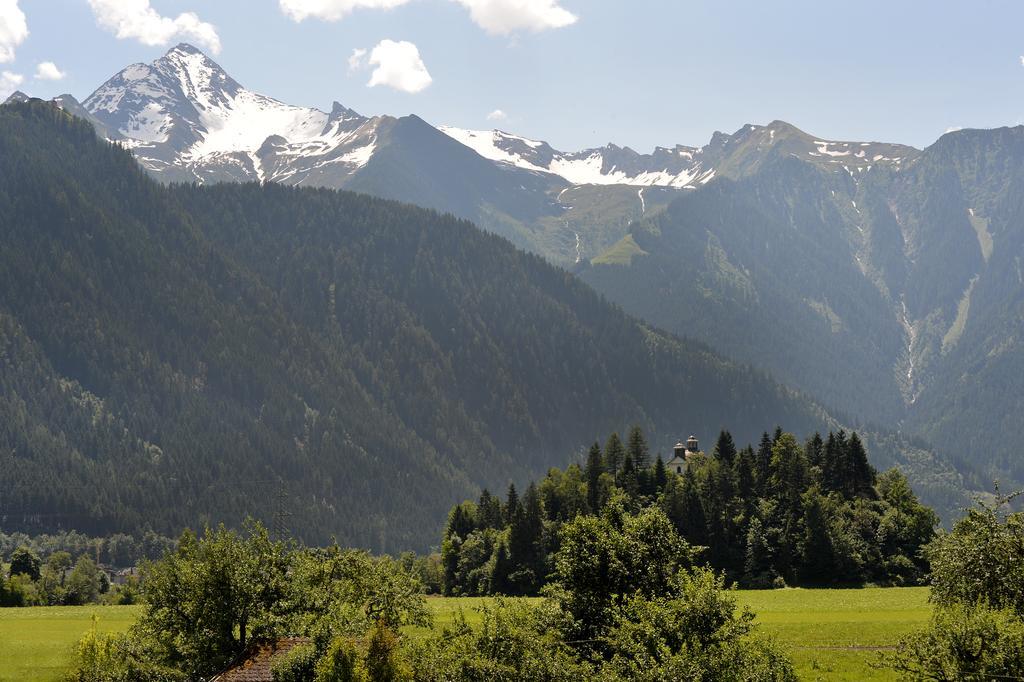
pixel 831 634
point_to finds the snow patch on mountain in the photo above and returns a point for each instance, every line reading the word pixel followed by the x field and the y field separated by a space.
pixel 679 167
pixel 184 111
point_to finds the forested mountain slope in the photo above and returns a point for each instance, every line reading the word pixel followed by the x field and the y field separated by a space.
pixel 172 355
pixel 888 285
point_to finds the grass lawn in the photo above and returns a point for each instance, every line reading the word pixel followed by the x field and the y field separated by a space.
pixel 37 643
pixel 831 634
pixel 835 634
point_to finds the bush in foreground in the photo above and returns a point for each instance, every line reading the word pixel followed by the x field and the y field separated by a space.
pixel 977 629
pixel 626 605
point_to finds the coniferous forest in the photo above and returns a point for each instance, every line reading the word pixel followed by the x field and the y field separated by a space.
pixel 775 514
pixel 350 366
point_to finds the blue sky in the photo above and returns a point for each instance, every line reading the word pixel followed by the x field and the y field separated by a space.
pixel 637 72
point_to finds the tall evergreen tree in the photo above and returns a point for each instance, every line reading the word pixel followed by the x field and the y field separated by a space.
pixel 614 454
pixel 637 448
pixel 488 511
pixel 511 507
pixel 861 473
pixel 814 451
pixel 660 476
pixel 815 546
pixel 763 464
pixel 629 479
pixel 743 469
pixel 595 467
pixel 758 571
pixel 725 448
pixel 461 520
pixel 526 543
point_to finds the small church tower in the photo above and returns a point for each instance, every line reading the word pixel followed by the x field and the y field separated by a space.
pixel 682 454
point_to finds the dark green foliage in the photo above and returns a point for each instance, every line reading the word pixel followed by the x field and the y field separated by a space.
pixel 981 560
pixel 977 629
pixel 725 449
pixel 693 632
pixel 171 355
pixel 341 663
pixel 602 560
pixel 614 455
pixel 595 467
pixel 488 511
pixel 212 596
pixel 297 665
pixel 216 594
pixel 514 641
pixel 963 642
pixel 854 289
pixel 25 562
pixel 637 448
pixel 872 529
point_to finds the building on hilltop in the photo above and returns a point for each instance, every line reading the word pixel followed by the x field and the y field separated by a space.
pixel 682 455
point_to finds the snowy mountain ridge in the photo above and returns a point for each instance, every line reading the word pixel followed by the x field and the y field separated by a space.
pixel 184 115
pixel 610 165
pixel 186 119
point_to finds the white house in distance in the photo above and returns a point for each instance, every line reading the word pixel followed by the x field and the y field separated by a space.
pixel 682 454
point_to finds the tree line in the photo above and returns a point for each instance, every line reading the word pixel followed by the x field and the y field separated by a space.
pixel 171 356
pixel 783 513
pixel 627 602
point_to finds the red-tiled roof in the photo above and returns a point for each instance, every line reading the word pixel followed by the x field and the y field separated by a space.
pixel 257 661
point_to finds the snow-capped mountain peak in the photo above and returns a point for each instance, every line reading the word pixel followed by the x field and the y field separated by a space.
pixel 185 117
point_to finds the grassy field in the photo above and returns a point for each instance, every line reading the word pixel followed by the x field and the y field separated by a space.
pixel 831 634
pixel 37 643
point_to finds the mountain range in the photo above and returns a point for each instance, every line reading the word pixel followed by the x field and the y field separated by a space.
pixel 187 354
pixel 882 279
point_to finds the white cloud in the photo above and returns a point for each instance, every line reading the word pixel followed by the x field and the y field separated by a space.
pixel 332 10
pixel 9 82
pixel 356 60
pixel 1022 60
pixel 497 115
pixel 399 66
pixel 137 19
pixel 953 129
pixel 510 16
pixel 13 29
pixel 494 16
pixel 48 71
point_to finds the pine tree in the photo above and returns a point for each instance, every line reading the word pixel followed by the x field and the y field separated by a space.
pixel 614 454
pixel 501 582
pixel 814 451
pixel 758 571
pixel 763 465
pixel 743 469
pixel 488 511
pixel 526 543
pixel 629 480
pixel 595 468
pixel 511 504
pixel 815 546
pixel 638 448
pixel 461 521
pixel 832 464
pixel 660 476
pixel 861 474
pixel 725 448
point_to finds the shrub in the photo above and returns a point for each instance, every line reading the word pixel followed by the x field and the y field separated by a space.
pixel 963 643
pixel 341 663
pixel 296 665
